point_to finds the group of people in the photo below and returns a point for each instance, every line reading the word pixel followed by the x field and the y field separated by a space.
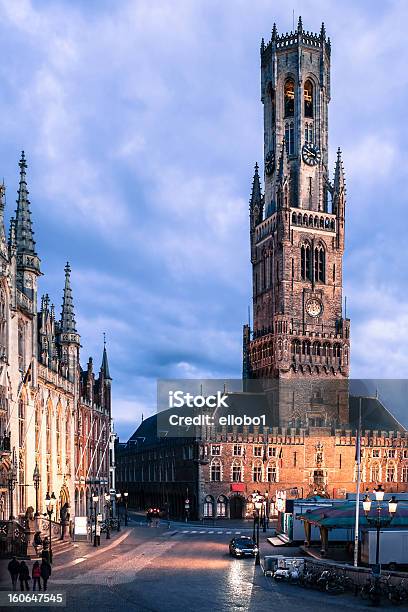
pixel 19 571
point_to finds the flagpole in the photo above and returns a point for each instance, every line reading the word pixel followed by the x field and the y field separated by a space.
pixel 358 458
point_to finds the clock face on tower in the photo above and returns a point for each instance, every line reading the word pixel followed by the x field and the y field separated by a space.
pixel 314 307
pixel 311 154
pixel 270 163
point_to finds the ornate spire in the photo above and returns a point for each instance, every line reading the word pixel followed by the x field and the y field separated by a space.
pixel 3 240
pixel 68 324
pixel 24 231
pixel 339 186
pixel 300 25
pixel 274 32
pixel 339 179
pixel 105 365
pixel 323 32
pixel 256 202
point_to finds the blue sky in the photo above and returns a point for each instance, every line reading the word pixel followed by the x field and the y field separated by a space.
pixel 141 123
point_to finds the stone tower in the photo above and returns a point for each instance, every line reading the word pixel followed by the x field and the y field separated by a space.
pixel 300 336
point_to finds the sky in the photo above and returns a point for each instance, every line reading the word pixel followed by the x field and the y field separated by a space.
pixel 142 121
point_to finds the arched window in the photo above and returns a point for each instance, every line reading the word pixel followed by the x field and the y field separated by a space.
pixel 48 428
pixel 3 324
pixel 21 346
pixel 216 470
pixel 317 349
pixel 289 98
pixel 295 347
pixel 404 474
pixel 308 98
pixel 337 351
pixel 272 473
pixel 272 95
pixel 208 506
pixel 257 471
pixel 319 264
pixel 305 264
pixel 294 219
pixel 237 471
pixel 222 506
pixel 306 347
pixel 391 474
pixel 21 423
pixel 290 138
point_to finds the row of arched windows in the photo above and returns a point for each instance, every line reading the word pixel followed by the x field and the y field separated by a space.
pixel 317 273
pixel 260 473
pixel 316 349
pixel 378 473
pixel 289 98
pixel 313 221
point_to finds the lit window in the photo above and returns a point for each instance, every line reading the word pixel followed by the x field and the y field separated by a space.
pixel 308 99
pixel 289 98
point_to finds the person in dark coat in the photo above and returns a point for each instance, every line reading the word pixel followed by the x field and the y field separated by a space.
pixel 37 541
pixel 45 572
pixel 36 576
pixel 24 576
pixel 14 570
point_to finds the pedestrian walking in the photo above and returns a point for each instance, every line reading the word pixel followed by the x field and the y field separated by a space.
pixel 24 576
pixel 14 570
pixel 36 576
pixel 45 571
pixel 98 533
pixel 37 541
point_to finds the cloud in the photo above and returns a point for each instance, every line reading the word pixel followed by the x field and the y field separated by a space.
pixel 142 121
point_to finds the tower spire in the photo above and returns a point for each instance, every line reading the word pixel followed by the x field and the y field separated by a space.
pixel 256 202
pixel 24 231
pixel 68 323
pixel 339 186
pixel 105 364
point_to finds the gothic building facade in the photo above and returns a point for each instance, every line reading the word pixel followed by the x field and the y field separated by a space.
pixel 54 418
pixel 299 348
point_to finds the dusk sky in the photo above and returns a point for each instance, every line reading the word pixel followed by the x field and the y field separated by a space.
pixel 141 122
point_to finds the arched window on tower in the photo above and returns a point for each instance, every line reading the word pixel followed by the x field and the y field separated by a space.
pixel 319 264
pixel 272 95
pixel 308 98
pixel 305 264
pixel 290 138
pixel 289 98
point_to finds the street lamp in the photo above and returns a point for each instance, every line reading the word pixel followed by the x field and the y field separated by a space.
pixel 379 521
pixel 258 508
pixel 49 504
pixel 36 480
pixel 118 496
pixel 265 511
pixel 108 519
pixel 95 499
pixel 125 497
pixel 11 483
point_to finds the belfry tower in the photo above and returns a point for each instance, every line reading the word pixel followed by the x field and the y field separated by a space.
pixel 300 334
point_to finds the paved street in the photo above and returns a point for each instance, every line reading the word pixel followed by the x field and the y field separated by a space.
pixel 183 569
